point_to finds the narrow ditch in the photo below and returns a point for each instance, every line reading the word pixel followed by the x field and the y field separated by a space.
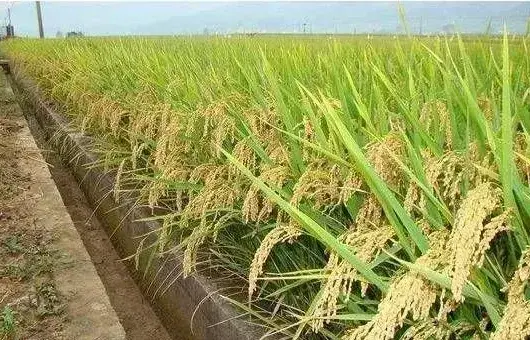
pixel 134 311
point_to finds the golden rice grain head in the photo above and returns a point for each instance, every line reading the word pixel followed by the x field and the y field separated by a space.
pixel 146 122
pixel 351 185
pixel 175 167
pixel 478 165
pixel 434 329
pixel 452 176
pixel 193 243
pixel 208 173
pixel 320 183
pixel 118 180
pixel 212 114
pixel 154 191
pixel 279 234
pixel 412 197
pixel 244 153
pixel 447 305
pixel 169 143
pixel 221 221
pixel 212 197
pixel 397 123
pixel 515 323
pixel 179 200
pixel 112 114
pixel 445 123
pixel 218 127
pixel 428 330
pixel 342 275
pixel 251 205
pixel 260 121
pixel 474 228
pixel 415 204
pixel 433 169
pixel 426 116
pixel 208 227
pixel 380 155
pixel 521 146
pixel 136 154
pixel 497 225
pixel 165 232
pixel 163 140
pixel 277 152
pixel 409 296
pixel 437 110
pixel 224 130
pixel 486 106
pixel 309 132
pixel 447 175
pixel 175 174
pixel 370 216
pixel 192 123
pixel 173 170
pixel 256 207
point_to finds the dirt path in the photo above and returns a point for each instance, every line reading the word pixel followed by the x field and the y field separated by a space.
pixel 134 311
pixel 49 288
pixel 26 260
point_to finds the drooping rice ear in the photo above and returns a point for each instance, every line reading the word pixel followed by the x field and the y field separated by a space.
pixel 410 295
pixel 279 234
pixel 515 323
pixel 476 224
pixel 367 244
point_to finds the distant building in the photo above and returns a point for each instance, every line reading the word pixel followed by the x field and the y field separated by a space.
pixel 74 34
pixel 449 29
pixel 7 32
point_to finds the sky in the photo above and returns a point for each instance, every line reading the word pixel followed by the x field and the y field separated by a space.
pixel 167 18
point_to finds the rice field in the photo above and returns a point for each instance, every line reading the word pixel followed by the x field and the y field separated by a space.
pixel 363 188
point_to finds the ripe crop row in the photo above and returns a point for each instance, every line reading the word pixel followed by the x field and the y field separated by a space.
pixel 365 188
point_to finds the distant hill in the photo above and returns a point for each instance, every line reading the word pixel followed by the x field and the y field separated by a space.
pixel 343 17
pixel 161 18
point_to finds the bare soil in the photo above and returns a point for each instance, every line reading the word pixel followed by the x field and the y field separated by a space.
pixel 31 307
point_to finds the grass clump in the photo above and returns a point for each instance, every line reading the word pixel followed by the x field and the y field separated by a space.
pixel 8 322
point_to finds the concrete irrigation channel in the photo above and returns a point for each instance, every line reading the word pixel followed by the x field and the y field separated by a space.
pixel 189 308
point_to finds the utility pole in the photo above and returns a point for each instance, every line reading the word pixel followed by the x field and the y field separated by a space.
pixel 10 32
pixel 39 19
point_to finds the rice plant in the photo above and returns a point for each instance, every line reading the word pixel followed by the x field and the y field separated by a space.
pixel 364 188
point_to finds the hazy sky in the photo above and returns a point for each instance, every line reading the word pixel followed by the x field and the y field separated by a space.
pixel 113 18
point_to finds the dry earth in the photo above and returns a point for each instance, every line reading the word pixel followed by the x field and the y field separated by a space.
pixel 49 288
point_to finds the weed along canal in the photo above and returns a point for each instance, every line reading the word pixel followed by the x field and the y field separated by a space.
pixel 266 186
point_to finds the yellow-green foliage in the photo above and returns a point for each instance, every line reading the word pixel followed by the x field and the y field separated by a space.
pixel 383 182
